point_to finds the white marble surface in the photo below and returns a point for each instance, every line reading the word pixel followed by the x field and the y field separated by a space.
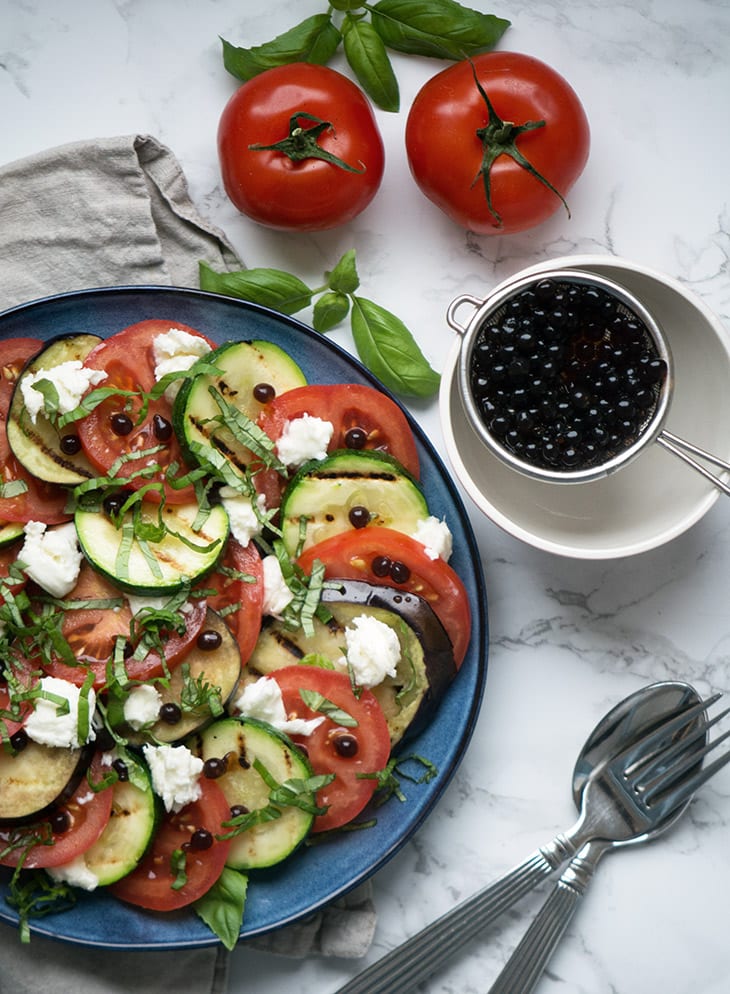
pixel 568 638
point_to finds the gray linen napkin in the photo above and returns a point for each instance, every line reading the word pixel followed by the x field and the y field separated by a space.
pixel 117 211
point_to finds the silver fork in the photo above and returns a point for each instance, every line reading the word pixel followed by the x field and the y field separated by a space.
pixel 618 805
pixel 649 788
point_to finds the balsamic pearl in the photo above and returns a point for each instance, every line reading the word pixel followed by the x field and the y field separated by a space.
pixel 162 428
pixel 380 566
pixel 120 768
pixel 170 713
pixel 121 424
pixel 60 822
pixel 356 438
pixel 264 393
pixel 201 839
pixel 214 768
pixel 209 640
pixel 345 744
pixel 70 444
pixel 359 516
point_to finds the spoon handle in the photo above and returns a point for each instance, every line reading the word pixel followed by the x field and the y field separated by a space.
pixel 525 966
pixel 407 965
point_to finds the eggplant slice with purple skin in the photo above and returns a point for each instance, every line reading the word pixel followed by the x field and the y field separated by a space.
pixel 426 669
pixel 38 777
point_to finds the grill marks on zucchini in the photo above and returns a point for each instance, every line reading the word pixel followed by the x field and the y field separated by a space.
pixel 318 501
pixel 38 446
pixel 197 418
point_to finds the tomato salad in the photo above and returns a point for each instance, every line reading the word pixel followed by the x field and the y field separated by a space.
pixel 218 629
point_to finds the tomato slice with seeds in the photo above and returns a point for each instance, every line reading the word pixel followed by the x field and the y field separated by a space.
pixel 87 813
pixel 39 501
pixel 110 432
pixel 149 885
pixel 362 417
pixel 348 752
pixel 92 631
pixel 351 556
pixel 238 582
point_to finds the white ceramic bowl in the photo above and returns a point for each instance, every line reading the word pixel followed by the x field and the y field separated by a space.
pixel 652 499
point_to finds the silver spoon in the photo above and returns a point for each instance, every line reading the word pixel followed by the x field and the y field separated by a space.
pixel 420 956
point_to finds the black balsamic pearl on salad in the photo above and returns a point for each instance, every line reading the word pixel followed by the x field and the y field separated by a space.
pixel 380 566
pixel 121 424
pixel 170 713
pixel 239 810
pixel 356 438
pixel 215 767
pixel 60 821
pixel 201 839
pixel 359 516
pixel 19 740
pixel 161 428
pixel 399 572
pixel 564 375
pixel 345 744
pixel 70 444
pixel 209 640
pixel 264 393
pixel 113 503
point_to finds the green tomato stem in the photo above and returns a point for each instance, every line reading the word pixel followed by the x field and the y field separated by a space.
pixel 302 143
pixel 499 137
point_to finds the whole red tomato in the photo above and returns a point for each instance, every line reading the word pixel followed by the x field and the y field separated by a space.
pixel 300 148
pixel 497 141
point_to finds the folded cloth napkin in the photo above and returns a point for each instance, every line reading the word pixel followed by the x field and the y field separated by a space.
pixel 117 211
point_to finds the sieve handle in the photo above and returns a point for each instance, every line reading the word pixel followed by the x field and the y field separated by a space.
pixel 465 298
pixel 681 448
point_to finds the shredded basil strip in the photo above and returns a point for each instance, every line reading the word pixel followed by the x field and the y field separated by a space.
pixel 247 432
pixel 13 488
pixel 322 705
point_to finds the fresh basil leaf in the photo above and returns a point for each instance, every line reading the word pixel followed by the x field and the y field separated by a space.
pixel 14 488
pixel 329 311
pixel 323 705
pixel 344 278
pixel 315 39
pixel 441 29
pixel 390 351
pixel 222 907
pixel 270 287
pixel 368 59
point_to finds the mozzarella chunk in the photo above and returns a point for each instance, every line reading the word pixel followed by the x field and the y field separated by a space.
pixel 245 522
pixel 277 595
pixel 435 537
pixel 142 706
pixel 175 773
pixel 49 725
pixel 76 873
pixel 263 700
pixel 52 556
pixel 175 351
pixel 303 439
pixel 372 650
pixel 71 380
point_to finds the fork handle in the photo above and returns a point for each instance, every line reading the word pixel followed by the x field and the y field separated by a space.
pixel 530 957
pixel 407 965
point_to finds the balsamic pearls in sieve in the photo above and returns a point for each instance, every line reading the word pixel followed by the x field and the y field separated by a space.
pixel 565 376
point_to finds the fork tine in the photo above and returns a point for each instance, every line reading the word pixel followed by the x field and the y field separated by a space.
pixel 639 752
pixel 662 769
pixel 684 791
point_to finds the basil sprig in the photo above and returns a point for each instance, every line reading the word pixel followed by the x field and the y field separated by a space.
pixel 383 342
pixel 439 29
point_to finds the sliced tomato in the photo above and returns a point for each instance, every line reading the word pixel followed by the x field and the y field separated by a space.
pixel 362 417
pixel 128 360
pixel 348 752
pixel 39 501
pixel 387 557
pixel 87 813
pixel 149 885
pixel 91 633
pixel 239 584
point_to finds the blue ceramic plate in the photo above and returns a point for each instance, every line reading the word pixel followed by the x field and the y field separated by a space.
pixel 312 877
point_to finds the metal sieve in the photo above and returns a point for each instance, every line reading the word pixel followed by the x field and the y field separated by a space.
pixel 490 310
